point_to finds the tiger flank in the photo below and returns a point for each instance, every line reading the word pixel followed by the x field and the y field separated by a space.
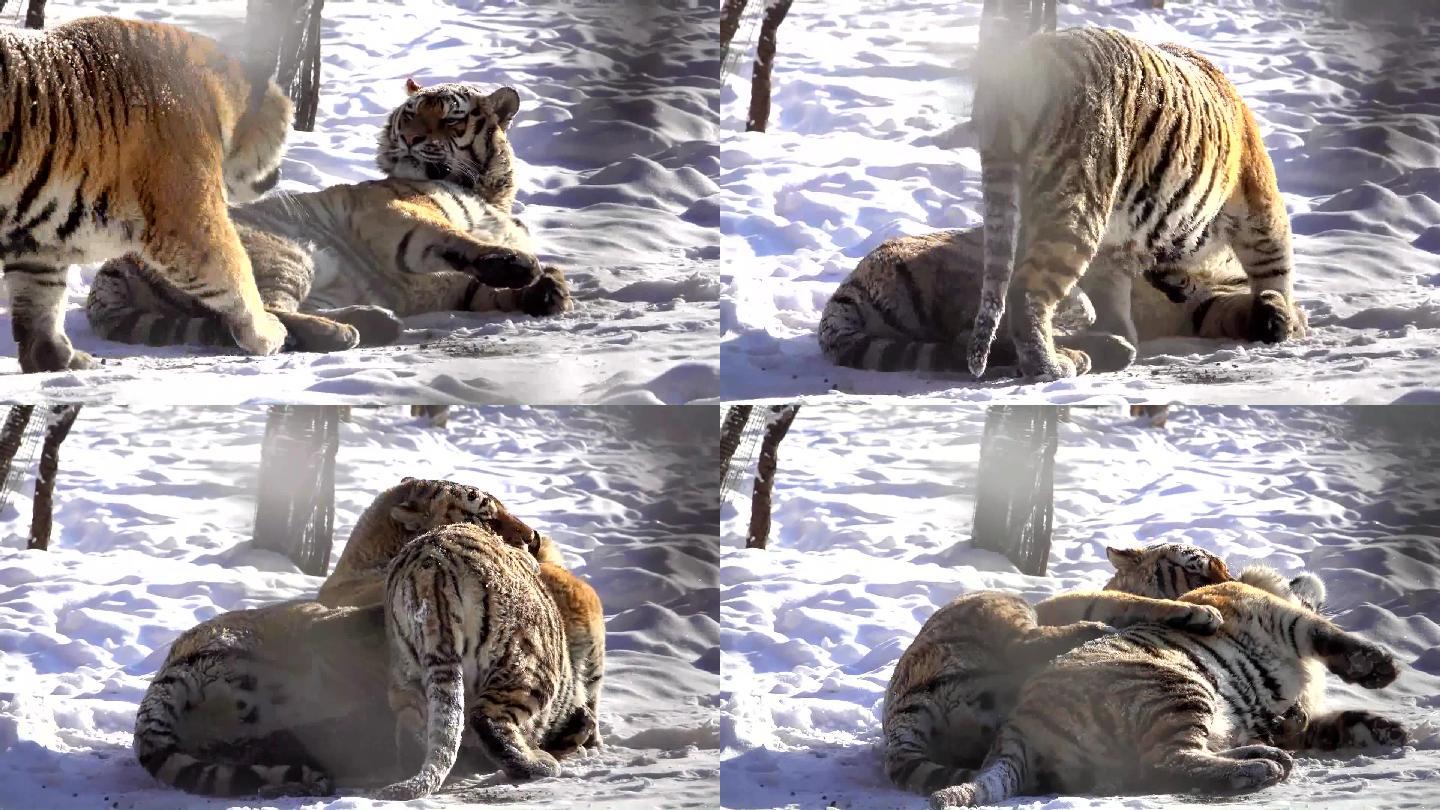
pixel 254 701
pixel 81 179
pixel 340 266
pixel 909 305
pixel 400 514
pixel 1145 151
pixel 477 645
pixel 956 684
pixel 1182 711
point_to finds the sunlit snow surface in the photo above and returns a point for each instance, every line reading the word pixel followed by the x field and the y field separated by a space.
pixel 865 143
pixel 872 512
pixel 615 142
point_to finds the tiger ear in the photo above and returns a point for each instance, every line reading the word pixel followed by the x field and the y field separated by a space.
pixel 411 86
pixel 505 102
pixel 1123 558
pixel 408 515
pixel 407 479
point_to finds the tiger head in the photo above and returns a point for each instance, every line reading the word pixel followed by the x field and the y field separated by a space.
pixel 1164 570
pixel 429 504
pixel 453 132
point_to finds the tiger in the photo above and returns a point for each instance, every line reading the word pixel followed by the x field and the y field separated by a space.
pixel 339 267
pixel 1183 712
pixel 958 680
pixel 415 506
pixel 251 701
pixel 123 136
pixel 908 302
pixel 400 514
pixel 477 648
pixel 1147 152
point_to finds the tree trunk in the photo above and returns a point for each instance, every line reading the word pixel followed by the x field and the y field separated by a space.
pixel 730 14
pixel 735 418
pixel 42 516
pixel 283 38
pixel 764 60
pixel 776 426
pixel 35 14
pixel 1014 496
pixel 295 507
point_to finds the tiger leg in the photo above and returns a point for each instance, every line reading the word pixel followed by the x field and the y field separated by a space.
pixel 497 723
pixel 1042 644
pixel 1173 750
pixel 1346 729
pixel 1351 657
pixel 37 318
pixel 578 729
pixel 1232 315
pixel 1119 609
pixel 430 247
pixel 1108 282
pixel 1262 244
pixel 1059 250
pixel 203 257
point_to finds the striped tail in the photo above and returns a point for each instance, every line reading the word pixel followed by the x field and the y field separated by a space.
pixel 1000 187
pixel 445 701
pixel 1004 774
pixel 909 765
pixel 127 307
pixel 159 750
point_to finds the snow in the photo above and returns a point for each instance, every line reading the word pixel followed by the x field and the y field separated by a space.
pixel 153 514
pixel 866 143
pixel 616 160
pixel 872 509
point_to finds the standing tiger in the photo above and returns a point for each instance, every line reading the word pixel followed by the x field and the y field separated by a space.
pixel 958 680
pixel 337 266
pixel 1154 709
pixel 402 513
pixel 121 136
pixel 1106 142
pixel 910 302
pixel 477 645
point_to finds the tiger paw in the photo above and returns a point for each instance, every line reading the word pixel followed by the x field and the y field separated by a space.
pixel 1261 766
pixel 53 354
pixel 261 334
pixel 1056 366
pixel 956 796
pixel 1079 359
pixel 495 266
pixel 1269 318
pixel 1201 619
pixel 1366 730
pixel 549 295
pixel 542 765
pixel 1366 664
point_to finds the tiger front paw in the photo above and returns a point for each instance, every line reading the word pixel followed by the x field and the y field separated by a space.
pixel 495 266
pixel 549 295
pixel 1363 663
pixel 1201 619
pixel 1270 320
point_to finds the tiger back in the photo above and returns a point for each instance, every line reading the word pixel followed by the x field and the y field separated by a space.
pixel 1183 711
pixel 340 266
pixel 397 516
pixel 958 681
pixel 477 647
pixel 82 179
pixel 1190 177
pixel 254 702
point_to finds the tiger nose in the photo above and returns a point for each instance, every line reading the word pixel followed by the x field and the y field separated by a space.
pixel 412 140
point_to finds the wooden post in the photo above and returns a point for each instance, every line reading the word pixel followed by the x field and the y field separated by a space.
pixel 776 426
pixel 730 13
pixel 35 14
pixel 42 516
pixel 283 41
pixel 759 118
pixel 1014 494
pixel 295 505
pixel 735 418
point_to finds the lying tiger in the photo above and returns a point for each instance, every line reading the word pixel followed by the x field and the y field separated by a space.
pixel 910 303
pixel 340 266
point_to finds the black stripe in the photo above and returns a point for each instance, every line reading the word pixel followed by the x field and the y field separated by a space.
pixel 32 189
pixel 401 262
pixel 1197 318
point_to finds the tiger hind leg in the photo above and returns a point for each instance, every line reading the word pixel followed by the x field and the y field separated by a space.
pixel 1194 769
pixel 37 313
pixel 1347 729
pixel 497 726
pixel 1262 244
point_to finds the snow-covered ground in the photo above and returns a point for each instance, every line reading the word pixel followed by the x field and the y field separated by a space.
pixel 616 151
pixel 872 510
pixel 152 523
pixel 864 145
